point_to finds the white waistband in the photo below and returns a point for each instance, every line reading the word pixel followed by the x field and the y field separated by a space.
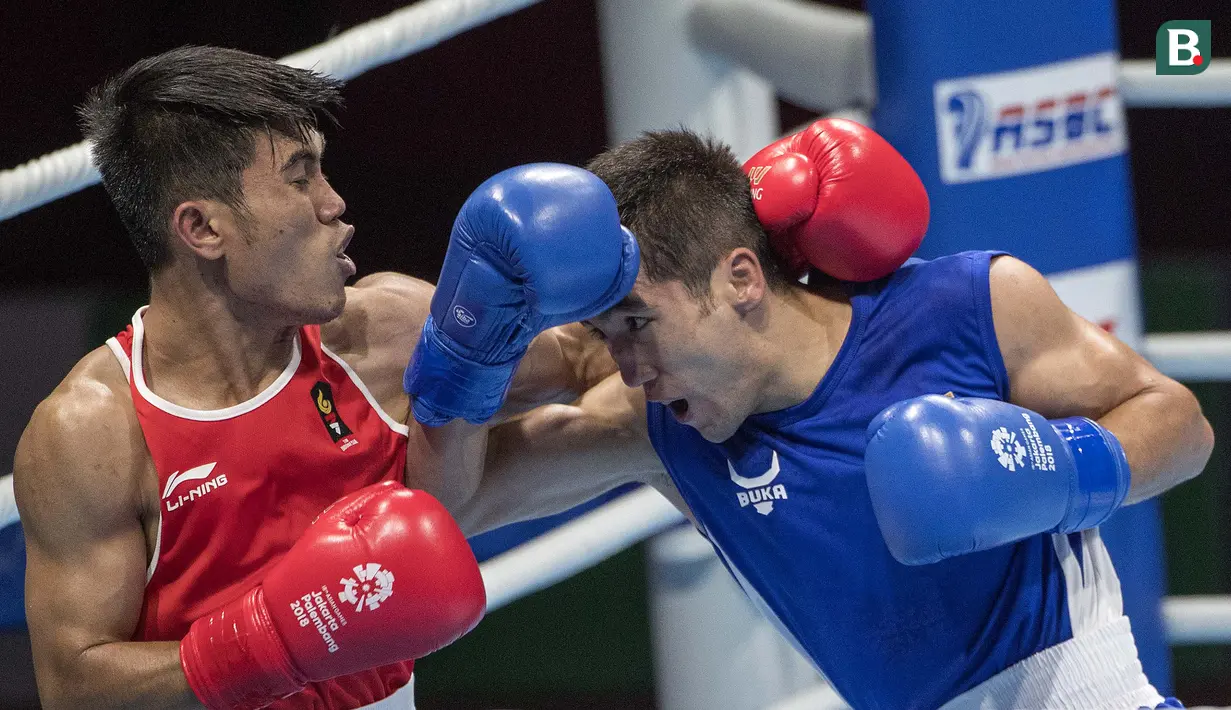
pixel 402 699
pixel 1098 670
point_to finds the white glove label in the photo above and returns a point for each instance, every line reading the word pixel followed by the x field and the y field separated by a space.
pixel 373 586
pixel 314 608
pixel 1012 451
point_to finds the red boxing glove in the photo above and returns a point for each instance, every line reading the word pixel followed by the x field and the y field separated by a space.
pixel 838 197
pixel 383 575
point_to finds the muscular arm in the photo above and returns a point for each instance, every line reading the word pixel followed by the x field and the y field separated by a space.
pixel 560 456
pixel 77 481
pixel 1061 365
pixel 381 325
pixel 376 335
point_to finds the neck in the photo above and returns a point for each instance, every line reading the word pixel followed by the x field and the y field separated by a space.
pixel 801 334
pixel 206 350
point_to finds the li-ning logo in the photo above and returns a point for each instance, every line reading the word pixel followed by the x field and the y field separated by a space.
pixel 755 175
pixel 464 317
pixel 758 491
pixel 1182 47
pixel 322 397
pixel 370 586
pixel 195 473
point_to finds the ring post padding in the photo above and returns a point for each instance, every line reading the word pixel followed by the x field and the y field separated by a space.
pixel 1010 113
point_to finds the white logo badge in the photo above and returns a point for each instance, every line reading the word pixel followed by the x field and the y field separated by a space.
pixel 759 491
pixel 196 473
pixel 464 317
pixel 1009 451
pixel 1029 120
pixel 372 586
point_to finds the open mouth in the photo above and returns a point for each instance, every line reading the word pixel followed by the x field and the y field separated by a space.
pixel 341 255
pixel 679 408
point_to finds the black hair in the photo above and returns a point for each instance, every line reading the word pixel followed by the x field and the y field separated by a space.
pixel 183 125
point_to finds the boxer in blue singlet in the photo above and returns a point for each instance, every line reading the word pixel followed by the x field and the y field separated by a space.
pixel 906 475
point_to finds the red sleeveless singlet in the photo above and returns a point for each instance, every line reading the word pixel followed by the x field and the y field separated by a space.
pixel 238 486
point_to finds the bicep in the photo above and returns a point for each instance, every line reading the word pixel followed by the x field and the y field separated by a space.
pixel 559 456
pixel 86 553
pixel 1059 364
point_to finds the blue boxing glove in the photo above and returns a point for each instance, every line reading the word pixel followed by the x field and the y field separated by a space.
pixel 533 247
pixel 950 476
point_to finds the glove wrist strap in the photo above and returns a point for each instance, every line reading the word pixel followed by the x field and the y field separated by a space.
pixel 1102 476
pixel 447 386
pixel 234 658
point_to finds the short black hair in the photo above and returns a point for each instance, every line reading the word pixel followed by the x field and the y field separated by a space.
pixel 686 199
pixel 183 125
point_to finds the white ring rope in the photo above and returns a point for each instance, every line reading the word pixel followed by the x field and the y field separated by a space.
pixel 591 538
pixel 8 501
pixel 1191 357
pixel 821 57
pixel 828 75
pixel 630 519
pixel 372 44
pixel 1141 87
pixel 577 545
pixel 1197 620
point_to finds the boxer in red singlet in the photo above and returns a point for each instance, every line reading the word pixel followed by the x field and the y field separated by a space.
pixel 169 486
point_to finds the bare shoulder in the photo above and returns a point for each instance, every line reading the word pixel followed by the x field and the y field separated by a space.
pixel 82 452
pixel 385 309
pixel 1029 316
pixel 377 332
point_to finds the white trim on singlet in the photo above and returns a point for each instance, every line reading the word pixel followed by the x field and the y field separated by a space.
pixel 394 424
pixel 118 350
pixel 205 415
pixel 149 571
pixel 1091 584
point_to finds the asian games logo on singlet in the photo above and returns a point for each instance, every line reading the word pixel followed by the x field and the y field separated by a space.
pixel 759 491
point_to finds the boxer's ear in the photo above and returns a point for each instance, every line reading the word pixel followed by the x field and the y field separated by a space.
pixel 196 225
pixel 746 286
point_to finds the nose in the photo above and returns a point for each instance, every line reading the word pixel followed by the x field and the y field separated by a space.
pixel 634 370
pixel 332 207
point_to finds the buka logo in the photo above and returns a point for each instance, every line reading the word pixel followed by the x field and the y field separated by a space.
pixel 1182 47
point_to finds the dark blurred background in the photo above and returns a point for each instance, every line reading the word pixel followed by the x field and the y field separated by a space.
pixel 417 136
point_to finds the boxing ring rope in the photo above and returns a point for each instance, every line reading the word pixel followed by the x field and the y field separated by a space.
pixel 612 528
pixel 821 59
pixel 367 46
pixel 577 545
pixel 1191 357
pixel 601 533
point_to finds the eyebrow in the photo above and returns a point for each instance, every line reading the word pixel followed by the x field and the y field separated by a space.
pixel 303 153
pixel 631 302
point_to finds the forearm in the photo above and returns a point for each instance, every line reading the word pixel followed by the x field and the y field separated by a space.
pixel 121 675
pixel 550 460
pixel 446 461
pixel 561 364
pixel 1165 437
